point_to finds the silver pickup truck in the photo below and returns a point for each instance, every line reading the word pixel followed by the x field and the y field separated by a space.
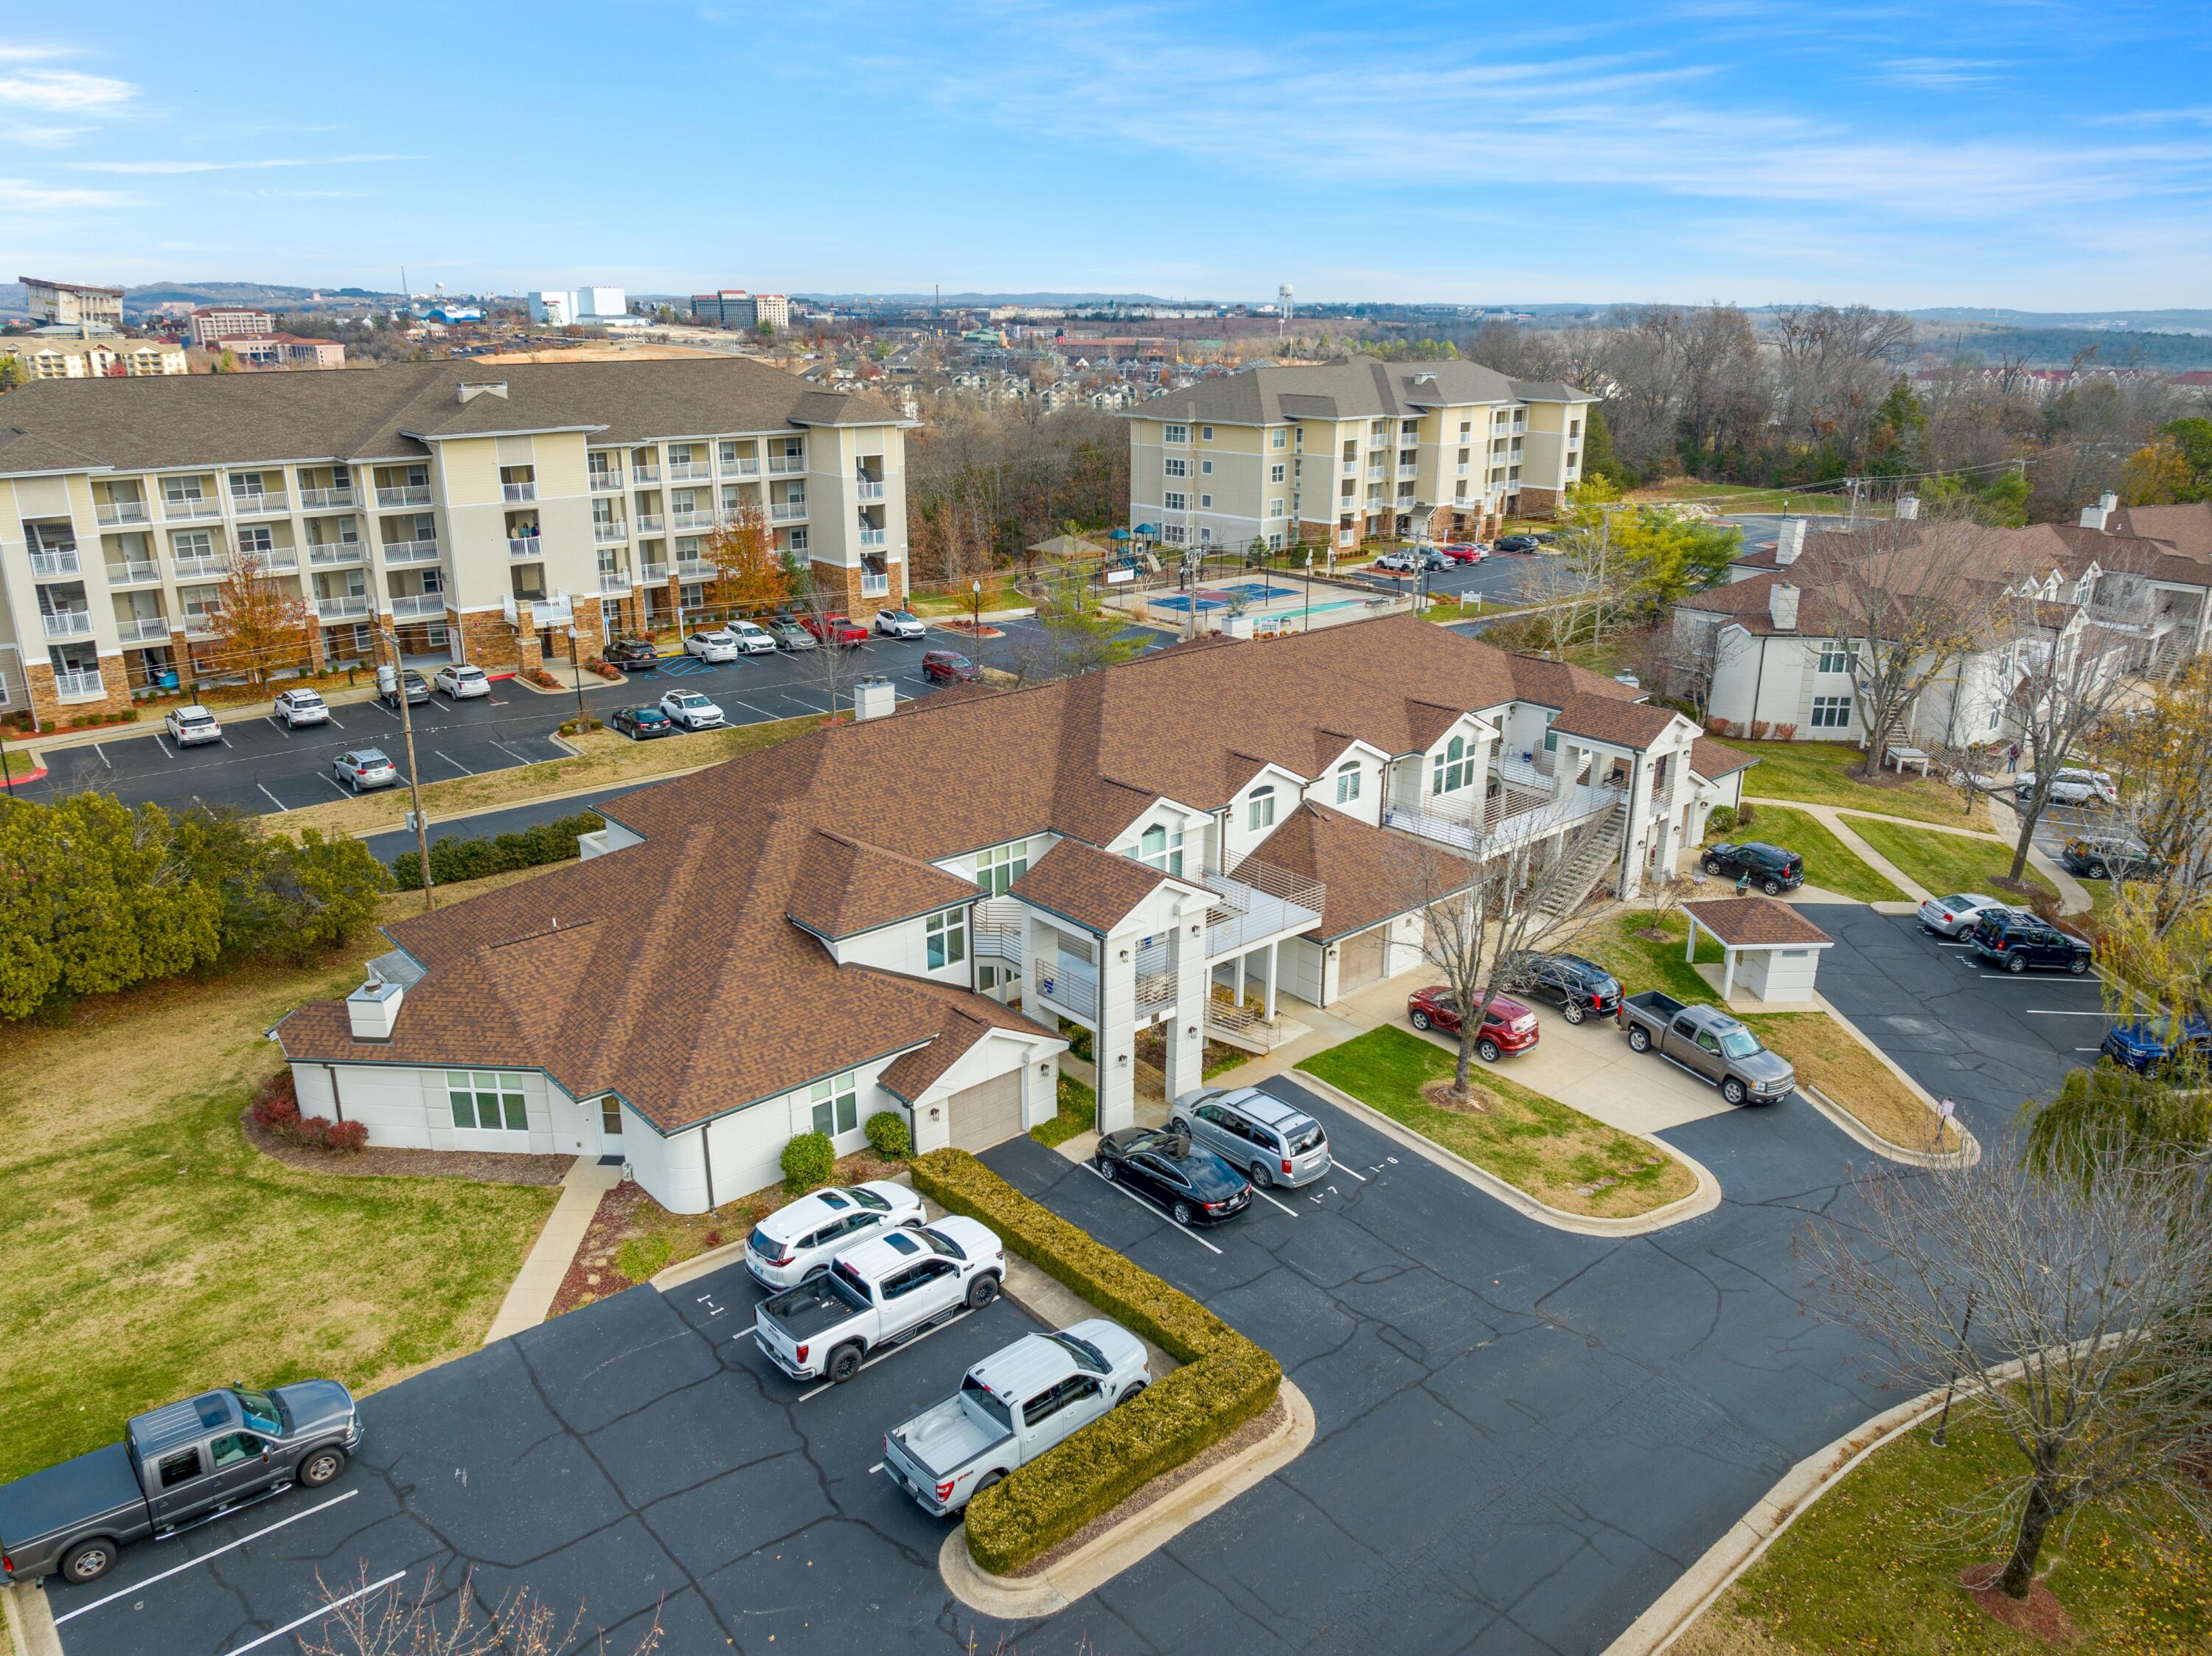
pixel 878 1294
pixel 1708 1043
pixel 1011 1408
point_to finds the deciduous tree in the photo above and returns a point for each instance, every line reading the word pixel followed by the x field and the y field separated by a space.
pixel 260 623
pixel 748 577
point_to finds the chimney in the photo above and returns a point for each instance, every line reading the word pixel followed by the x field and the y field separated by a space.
pixel 873 698
pixel 1782 606
pixel 2092 516
pixel 1789 541
pixel 1908 506
pixel 374 1008
pixel 2110 502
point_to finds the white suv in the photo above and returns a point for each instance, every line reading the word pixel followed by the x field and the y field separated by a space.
pixel 690 710
pixel 2070 787
pixel 460 681
pixel 899 623
pixel 298 707
pixel 190 726
pixel 800 1241
pixel 752 637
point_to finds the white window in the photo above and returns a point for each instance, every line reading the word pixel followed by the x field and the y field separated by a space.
pixel 1275 543
pixel 1001 865
pixel 1997 714
pixel 1551 735
pixel 1466 427
pixel 1347 782
pixel 192 543
pixel 794 539
pixel 1206 433
pixel 1275 473
pixel 1278 437
pixel 1159 848
pixel 1833 712
pixel 1205 502
pixel 1176 466
pixel 1453 768
pixel 946 933
pixel 1206 468
pixel 1172 533
pixel 1175 500
pixel 836 1101
pixel 180 491
pixel 1837 657
pixel 1275 508
pixel 256 538
pixel 487 1102
pixel 1261 811
pixel 1175 434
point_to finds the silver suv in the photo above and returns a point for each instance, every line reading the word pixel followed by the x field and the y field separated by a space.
pixel 1255 1133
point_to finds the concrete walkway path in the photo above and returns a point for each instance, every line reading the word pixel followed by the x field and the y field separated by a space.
pixel 2073 898
pixel 530 1296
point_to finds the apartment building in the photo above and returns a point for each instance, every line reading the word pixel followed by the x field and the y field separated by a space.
pixel 285 350
pixel 214 325
pixel 71 304
pixel 94 356
pixel 903 913
pixel 466 511
pixel 735 307
pixel 1350 452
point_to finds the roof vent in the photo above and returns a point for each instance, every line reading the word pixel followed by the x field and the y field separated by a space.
pixel 373 1009
pixel 1424 380
pixel 874 698
pixel 1908 506
pixel 1782 606
pixel 469 393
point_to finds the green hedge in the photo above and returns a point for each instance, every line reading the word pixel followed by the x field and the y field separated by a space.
pixel 454 860
pixel 1225 1381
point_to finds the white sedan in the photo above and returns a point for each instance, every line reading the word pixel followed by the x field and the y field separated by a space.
pixel 190 726
pixel 899 623
pixel 460 681
pixel 752 637
pixel 1949 916
pixel 800 1241
pixel 690 710
pixel 721 644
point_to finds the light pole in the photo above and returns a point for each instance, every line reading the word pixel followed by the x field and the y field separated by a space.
pixel 975 610
pixel 1309 626
pixel 414 776
pixel 577 674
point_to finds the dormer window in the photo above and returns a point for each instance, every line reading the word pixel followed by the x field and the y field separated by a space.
pixel 1001 865
pixel 1259 808
pixel 1453 768
pixel 1158 847
pixel 1347 782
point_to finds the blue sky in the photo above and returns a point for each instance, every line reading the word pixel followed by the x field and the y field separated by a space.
pixel 2039 155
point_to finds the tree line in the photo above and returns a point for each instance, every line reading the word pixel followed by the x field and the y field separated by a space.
pixel 985 481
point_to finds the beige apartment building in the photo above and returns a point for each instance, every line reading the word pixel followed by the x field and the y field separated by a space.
pixel 95 357
pixel 463 509
pixel 71 304
pixel 1350 452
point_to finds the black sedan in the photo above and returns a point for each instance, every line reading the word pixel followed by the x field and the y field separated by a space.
pixel 1196 1186
pixel 1578 987
pixel 1772 869
pixel 1518 544
pixel 634 655
pixel 641 723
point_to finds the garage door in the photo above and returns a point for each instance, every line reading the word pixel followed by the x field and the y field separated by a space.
pixel 987 1114
pixel 1360 960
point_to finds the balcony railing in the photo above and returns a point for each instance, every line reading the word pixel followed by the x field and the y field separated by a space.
pixel 740 468
pixel 650 522
pixel 1068 982
pixel 525 546
pixel 875 586
pixel 783 465
pixel 133 575
pixel 408 604
pixel 200 623
pixel 193 568
pixel 281 560
pixel 605 482
pixel 692 519
pixel 198 505
pixel 1258 901
pixel 325 555
pixel 686 470
pixel 518 491
pixel 78 685
pixel 406 495
pixel 121 511
pixel 65 623
pixel 355 607
pixel 51 565
pixel 143 630
pixel 653 571
pixel 873 536
pixel 645 474
pixel 1409 471
pixel 315 499
pixel 1155 990
pixel 869 488
pixel 259 505
pixel 411 551
pixel 1242 1027
pixel 610 531
pixel 1351 468
pixel 614 580
pixel 1503 820
pixel 787 512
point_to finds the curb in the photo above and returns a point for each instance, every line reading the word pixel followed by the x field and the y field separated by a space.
pixel 1701 1201
pixel 1099 1560
pixel 31 1629
pixel 1968 1153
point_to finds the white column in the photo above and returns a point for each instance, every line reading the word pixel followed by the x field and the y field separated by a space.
pixel 1728 972
pixel 1690 950
pixel 1274 973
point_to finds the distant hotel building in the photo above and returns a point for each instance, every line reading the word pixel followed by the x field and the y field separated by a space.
pixel 215 325
pixel 736 308
pixel 579 307
pixel 70 305
pixel 97 356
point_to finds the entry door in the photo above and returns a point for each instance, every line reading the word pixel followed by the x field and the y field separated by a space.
pixel 987 1114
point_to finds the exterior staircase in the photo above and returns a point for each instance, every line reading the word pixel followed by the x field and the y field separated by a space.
pixel 1596 854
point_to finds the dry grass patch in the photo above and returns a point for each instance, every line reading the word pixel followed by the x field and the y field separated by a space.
pixel 1827 1057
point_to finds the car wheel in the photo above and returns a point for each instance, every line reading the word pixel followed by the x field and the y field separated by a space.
pixel 1105 1169
pixel 1573 1011
pixel 2017 964
pixel 1772 887
pixel 88 1561
pixel 2078 965
pixel 320 1467
pixel 989 1480
pixel 983 1291
pixel 1263 1176
pixel 1488 1049
pixel 354 782
pixel 1183 1214
pixel 818 1271
pixel 2099 871
pixel 1135 1390
pixel 1732 1091
pixel 1640 1039
pixel 1712 864
pixel 844 1363
pixel 1179 1127
pixel 1419 1019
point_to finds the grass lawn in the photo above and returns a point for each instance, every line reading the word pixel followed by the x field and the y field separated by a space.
pixel 1821 773
pixel 1829 863
pixel 1946 862
pixel 1642 962
pixel 1078 1114
pixel 1827 1057
pixel 1537 1144
pixel 153 1252
pixel 1874 1566
pixel 998 593
pixel 1740 497
pixel 15 764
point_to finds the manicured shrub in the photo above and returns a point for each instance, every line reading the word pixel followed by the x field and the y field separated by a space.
pixel 454 860
pixel 1721 819
pixel 346 1137
pixel 807 1161
pixel 1225 1381
pixel 1746 814
pixel 888 1136
pixel 1759 729
pixel 276 1101
pixel 1785 732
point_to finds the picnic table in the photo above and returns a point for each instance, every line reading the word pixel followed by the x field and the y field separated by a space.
pixel 1900 757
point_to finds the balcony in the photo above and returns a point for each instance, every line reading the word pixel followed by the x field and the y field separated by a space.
pixel 194 568
pixel 1512 816
pixel 614 580
pixel 1257 902
pixel 875 586
pixel 411 552
pixel 353 607
pixel 605 482
pixel 604 532
pixel 122 511
pixel 692 520
pixel 1154 991
pixel 653 571
pixel 873 536
pixel 407 494
pixel 200 623
pixel 52 565
pixel 1242 1027
pixel 184 511
pixel 410 606
pixel 144 629
pixel 280 561
pixel 328 555
pixel 784 465
pixel 65 623
pixel 645 474
pixel 650 522
pixel 1405 471
pixel 313 499
pixel 693 569
pixel 1377 469
pixel 84 686
pixel 518 491
pixel 1070 984
pixel 259 505
pixel 142 572
pixel 525 546
pixel 787 512
pixel 745 467
pixel 681 471
pixel 1460 470
pixel 1351 468
pixel 869 488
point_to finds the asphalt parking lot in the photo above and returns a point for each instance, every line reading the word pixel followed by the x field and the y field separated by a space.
pixel 1497 579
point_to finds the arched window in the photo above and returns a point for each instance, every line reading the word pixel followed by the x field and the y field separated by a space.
pixel 1261 813
pixel 1347 781
pixel 1454 769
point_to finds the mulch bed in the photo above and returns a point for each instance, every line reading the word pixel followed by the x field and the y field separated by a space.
pixel 2040 1615
pixel 485 1167
pixel 970 627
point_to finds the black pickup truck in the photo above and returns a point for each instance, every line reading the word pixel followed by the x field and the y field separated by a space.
pixel 177 1467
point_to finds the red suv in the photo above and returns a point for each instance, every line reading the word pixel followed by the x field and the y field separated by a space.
pixel 949 666
pixel 834 629
pixel 1507 1026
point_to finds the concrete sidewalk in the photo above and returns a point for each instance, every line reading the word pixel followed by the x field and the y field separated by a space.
pixel 2073 898
pixel 530 1296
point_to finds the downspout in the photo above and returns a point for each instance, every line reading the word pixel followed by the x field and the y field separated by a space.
pixel 337 1103
pixel 707 1152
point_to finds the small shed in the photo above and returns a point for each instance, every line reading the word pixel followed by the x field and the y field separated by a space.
pixel 1777 948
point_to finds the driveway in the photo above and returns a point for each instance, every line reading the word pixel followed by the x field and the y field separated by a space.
pixel 1497 579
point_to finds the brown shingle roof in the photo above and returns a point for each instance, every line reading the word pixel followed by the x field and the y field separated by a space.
pixel 843 887
pixel 1712 760
pixel 1755 921
pixel 1370 876
pixel 1635 725
pixel 2186 529
pixel 1093 887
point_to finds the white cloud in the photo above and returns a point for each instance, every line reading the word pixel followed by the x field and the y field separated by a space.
pixel 34 197
pixel 179 166
pixel 1938 73
pixel 65 91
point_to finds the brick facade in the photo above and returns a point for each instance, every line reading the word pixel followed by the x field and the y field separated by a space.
pixel 489 642
pixel 1537 502
pixel 838 588
pixel 52 713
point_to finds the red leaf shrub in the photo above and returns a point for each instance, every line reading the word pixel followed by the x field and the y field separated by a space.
pixel 1784 732
pixel 276 1101
pixel 1759 729
pixel 1721 726
pixel 346 1137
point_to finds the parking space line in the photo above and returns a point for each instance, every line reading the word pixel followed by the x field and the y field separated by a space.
pixel 455 763
pixel 228 1546
pixel 272 798
pixel 158 743
pixel 333 781
pixel 1335 1165
pixel 961 1315
pixel 334 719
pixel 1167 1219
pixel 316 1614
pixel 104 758
pixel 2053 1012
pixel 274 724
pixel 1272 1202
pixel 873 1470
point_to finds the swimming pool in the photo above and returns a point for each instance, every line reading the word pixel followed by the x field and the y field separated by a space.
pixel 1220 598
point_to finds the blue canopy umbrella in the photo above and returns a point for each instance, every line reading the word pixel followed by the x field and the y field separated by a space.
pixel 1119 535
pixel 1147 529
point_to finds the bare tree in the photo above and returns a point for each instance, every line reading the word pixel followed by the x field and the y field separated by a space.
pixel 834 665
pixel 2092 1287
pixel 386 1619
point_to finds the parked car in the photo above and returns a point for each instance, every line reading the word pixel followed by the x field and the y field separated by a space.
pixel 899 623
pixel 752 637
pixel 2070 787
pixel 801 1239
pixel 1410 561
pixel 298 707
pixel 460 681
pixel 1951 915
pixel 2152 1049
pixel 886 1291
pixel 2108 856
pixel 1708 1043
pixel 2017 940
pixel 789 635
pixel 1508 1027
pixel 1578 987
pixel 1011 1408
pixel 642 724
pixel 690 710
pixel 1518 543
pixel 717 645
pixel 835 629
pixel 1464 551
pixel 1772 869
pixel 392 683
pixel 633 655
pixel 1272 1142
pixel 1196 1186
pixel 190 726
pixel 364 767
pixel 177 1466
pixel 948 667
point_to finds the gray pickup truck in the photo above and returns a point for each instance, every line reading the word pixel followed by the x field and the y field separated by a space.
pixel 177 1467
pixel 1708 1043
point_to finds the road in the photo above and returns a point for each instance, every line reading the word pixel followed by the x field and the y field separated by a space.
pixel 1498 579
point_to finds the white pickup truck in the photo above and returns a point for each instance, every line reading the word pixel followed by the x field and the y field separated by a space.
pixel 1011 1408
pixel 880 1293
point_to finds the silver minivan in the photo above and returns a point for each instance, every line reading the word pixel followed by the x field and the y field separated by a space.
pixel 1255 1133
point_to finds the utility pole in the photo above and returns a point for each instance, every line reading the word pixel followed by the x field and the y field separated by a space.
pixel 577 674
pixel 414 776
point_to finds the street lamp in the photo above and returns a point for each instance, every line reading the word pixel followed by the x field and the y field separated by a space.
pixel 577 674
pixel 976 608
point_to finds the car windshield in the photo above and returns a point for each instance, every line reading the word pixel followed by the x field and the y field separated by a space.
pixel 764 1245
pixel 691 700
pixel 1088 1356
pixel 1739 1043
pixel 868 1198
pixel 261 1411
pixel 944 1244
pixel 974 1390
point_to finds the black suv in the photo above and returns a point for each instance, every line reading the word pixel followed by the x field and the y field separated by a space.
pixel 633 655
pixel 2016 941
pixel 1518 544
pixel 1772 870
pixel 2103 856
pixel 1579 988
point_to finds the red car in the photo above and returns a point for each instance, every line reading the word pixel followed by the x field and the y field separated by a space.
pixel 1507 1026
pixel 835 629
pixel 949 666
pixel 1465 552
